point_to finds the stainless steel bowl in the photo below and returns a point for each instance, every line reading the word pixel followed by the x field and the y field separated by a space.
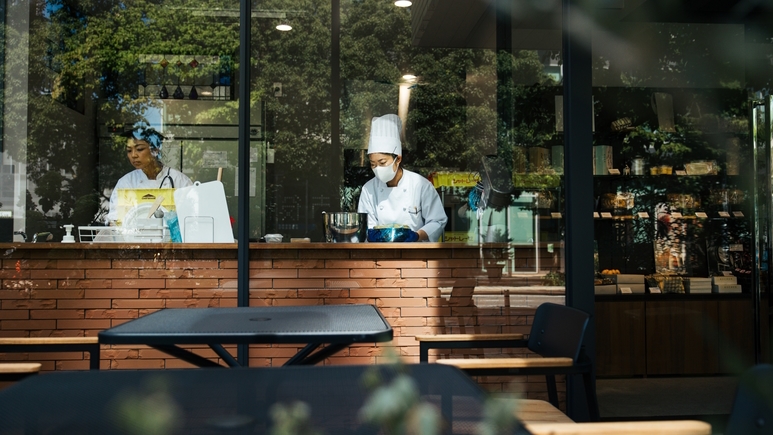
pixel 345 227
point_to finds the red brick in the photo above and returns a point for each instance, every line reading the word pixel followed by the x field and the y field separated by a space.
pixel 13 274
pixel 213 293
pixel 83 264
pixel 83 303
pixel 6 314
pixel 57 274
pixel 401 302
pixel 375 273
pixel 134 364
pixel 297 302
pixel 350 283
pixel 28 284
pixel 374 254
pixel 452 264
pixel 138 283
pixel 424 312
pixel 185 303
pixel 112 294
pixel 254 264
pixel 397 282
pixel 112 273
pixel 401 264
pixel 166 293
pixel 20 304
pixel 323 293
pixel 323 273
pixel 82 364
pixel 375 292
pixel 298 264
pixel 59 294
pixel 112 314
pixel 192 264
pixel 350 264
pixel 420 292
pixel 254 283
pixel 324 254
pixel 274 273
pixel 28 324
pixel 426 253
pixel 137 303
pixel 30 264
pixel 192 283
pixel 138 264
pixel 299 283
pixel 56 314
pixel 84 283
pixel 426 273
pixel 83 324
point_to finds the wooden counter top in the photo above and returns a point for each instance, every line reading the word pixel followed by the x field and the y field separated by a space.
pixel 257 246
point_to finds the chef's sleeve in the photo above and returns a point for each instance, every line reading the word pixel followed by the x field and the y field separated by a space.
pixel 432 209
pixel 367 204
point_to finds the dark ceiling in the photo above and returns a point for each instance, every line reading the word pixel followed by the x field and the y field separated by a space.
pixel 471 23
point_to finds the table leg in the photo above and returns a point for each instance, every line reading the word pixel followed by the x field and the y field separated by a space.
pixel 322 354
pixel 185 355
pixel 299 358
pixel 222 353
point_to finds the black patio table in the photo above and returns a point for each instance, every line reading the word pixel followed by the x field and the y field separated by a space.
pixel 237 401
pixel 335 326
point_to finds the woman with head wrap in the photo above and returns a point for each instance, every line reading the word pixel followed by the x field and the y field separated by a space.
pixel 143 149
pixel 397 196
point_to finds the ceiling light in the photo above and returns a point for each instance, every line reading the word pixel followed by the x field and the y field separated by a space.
pixel 284 27
pixel 403 3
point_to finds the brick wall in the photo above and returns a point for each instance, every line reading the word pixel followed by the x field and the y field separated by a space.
pixel 74 290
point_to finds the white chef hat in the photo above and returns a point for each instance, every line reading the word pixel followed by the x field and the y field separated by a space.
pixel 385 135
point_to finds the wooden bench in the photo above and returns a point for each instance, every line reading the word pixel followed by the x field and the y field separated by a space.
pixel 539 411
pixel 10 372
pixel 671 427
pixel 465 341
pixel 54 344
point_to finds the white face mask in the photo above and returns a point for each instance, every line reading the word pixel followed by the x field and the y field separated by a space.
pixel 385 173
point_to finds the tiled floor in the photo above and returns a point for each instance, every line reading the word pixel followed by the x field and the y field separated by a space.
pixel 703 398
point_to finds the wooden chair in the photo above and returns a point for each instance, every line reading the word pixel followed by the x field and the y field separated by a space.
pixel 54 344
pixel 11 372
pixel 556 335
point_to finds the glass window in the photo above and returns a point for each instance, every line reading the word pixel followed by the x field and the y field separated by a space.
pixel 480 114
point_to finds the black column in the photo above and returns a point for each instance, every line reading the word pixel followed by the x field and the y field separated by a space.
pixel 243 212
pixel 578 180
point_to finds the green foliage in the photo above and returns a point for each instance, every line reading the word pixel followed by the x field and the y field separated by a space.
pixel 291 419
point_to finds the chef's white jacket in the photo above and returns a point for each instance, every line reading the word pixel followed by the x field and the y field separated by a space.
pixel 137 179
pixel 413 202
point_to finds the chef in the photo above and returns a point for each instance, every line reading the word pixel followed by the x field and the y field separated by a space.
pixel 143 149
pixel 397 196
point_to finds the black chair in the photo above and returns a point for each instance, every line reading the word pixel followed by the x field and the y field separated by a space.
pixel 556 335
pixel 752 411
pixel 236 401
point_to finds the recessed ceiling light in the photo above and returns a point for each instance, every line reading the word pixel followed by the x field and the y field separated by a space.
pixel 403 3
pixel 284 27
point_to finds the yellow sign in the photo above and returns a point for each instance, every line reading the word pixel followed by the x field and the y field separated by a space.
pixel 128 199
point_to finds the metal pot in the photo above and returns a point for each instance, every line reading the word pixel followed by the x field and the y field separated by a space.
pixel 344 227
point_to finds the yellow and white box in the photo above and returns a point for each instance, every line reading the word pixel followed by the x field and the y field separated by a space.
pixel 130 199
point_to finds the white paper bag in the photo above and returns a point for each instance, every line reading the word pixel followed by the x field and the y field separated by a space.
pixel 202 213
